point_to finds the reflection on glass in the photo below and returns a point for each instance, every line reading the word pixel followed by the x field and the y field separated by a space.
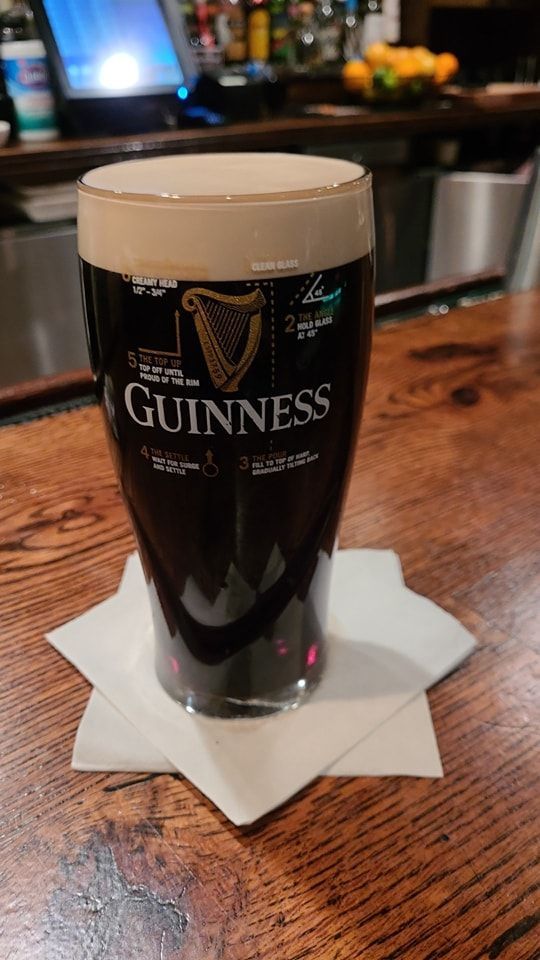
pixel 119 71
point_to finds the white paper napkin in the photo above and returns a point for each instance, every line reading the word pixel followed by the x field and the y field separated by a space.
pixel 404 745
pixel 388 646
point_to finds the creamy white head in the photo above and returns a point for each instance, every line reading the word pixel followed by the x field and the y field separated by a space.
pixel 225 216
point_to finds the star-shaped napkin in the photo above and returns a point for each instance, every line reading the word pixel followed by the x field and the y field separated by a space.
pixel 369 715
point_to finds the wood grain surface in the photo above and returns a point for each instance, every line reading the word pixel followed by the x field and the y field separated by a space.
pixel 70 157
pixel 61 387
pixel 113 867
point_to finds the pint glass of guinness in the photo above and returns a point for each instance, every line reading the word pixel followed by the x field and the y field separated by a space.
pixel 228 304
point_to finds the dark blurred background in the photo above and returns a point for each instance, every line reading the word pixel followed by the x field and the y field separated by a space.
pixel 441 99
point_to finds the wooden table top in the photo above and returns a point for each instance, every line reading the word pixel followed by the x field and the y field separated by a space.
pixel 119 867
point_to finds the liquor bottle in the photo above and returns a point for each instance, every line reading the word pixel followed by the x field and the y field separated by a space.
pixel 307 46
pixel 281 33
pixel 17 23
pixel 207 48
pixel 206 37
pixel 236 51
pixel 258 33
pixel 187 9
pixel 231 31
pixel 330 28
pixel 352 32
pixel 374 26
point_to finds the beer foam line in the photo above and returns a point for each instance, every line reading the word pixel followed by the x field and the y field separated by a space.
pixel 148 228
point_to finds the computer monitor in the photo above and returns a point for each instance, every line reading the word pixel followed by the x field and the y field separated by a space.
pixel 125 60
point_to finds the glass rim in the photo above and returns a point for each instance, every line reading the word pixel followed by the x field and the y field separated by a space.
pixel 360 183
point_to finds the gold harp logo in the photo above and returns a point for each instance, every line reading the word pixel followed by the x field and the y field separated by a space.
pixel 229 330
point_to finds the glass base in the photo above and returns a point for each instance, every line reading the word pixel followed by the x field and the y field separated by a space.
pixel 226 708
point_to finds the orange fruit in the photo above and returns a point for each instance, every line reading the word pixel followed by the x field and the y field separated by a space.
pixel 407 67
pixel 393 54
pixel 356 75
pixel 445 67
pixel 427 61
pixel 377 55
pixel 448 62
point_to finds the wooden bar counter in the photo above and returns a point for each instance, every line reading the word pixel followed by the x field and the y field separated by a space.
pixel 67 157
pixel 120 867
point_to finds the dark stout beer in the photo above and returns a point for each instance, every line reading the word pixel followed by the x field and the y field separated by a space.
pixel 230 343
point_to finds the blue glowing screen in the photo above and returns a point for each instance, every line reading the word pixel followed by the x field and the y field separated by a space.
pixel 114 45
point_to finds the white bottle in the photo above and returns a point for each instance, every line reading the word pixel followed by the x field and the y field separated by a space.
pixel 374 24
pixel 27 82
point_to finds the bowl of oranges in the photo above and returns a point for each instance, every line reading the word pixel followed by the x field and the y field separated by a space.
pixel 389 74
